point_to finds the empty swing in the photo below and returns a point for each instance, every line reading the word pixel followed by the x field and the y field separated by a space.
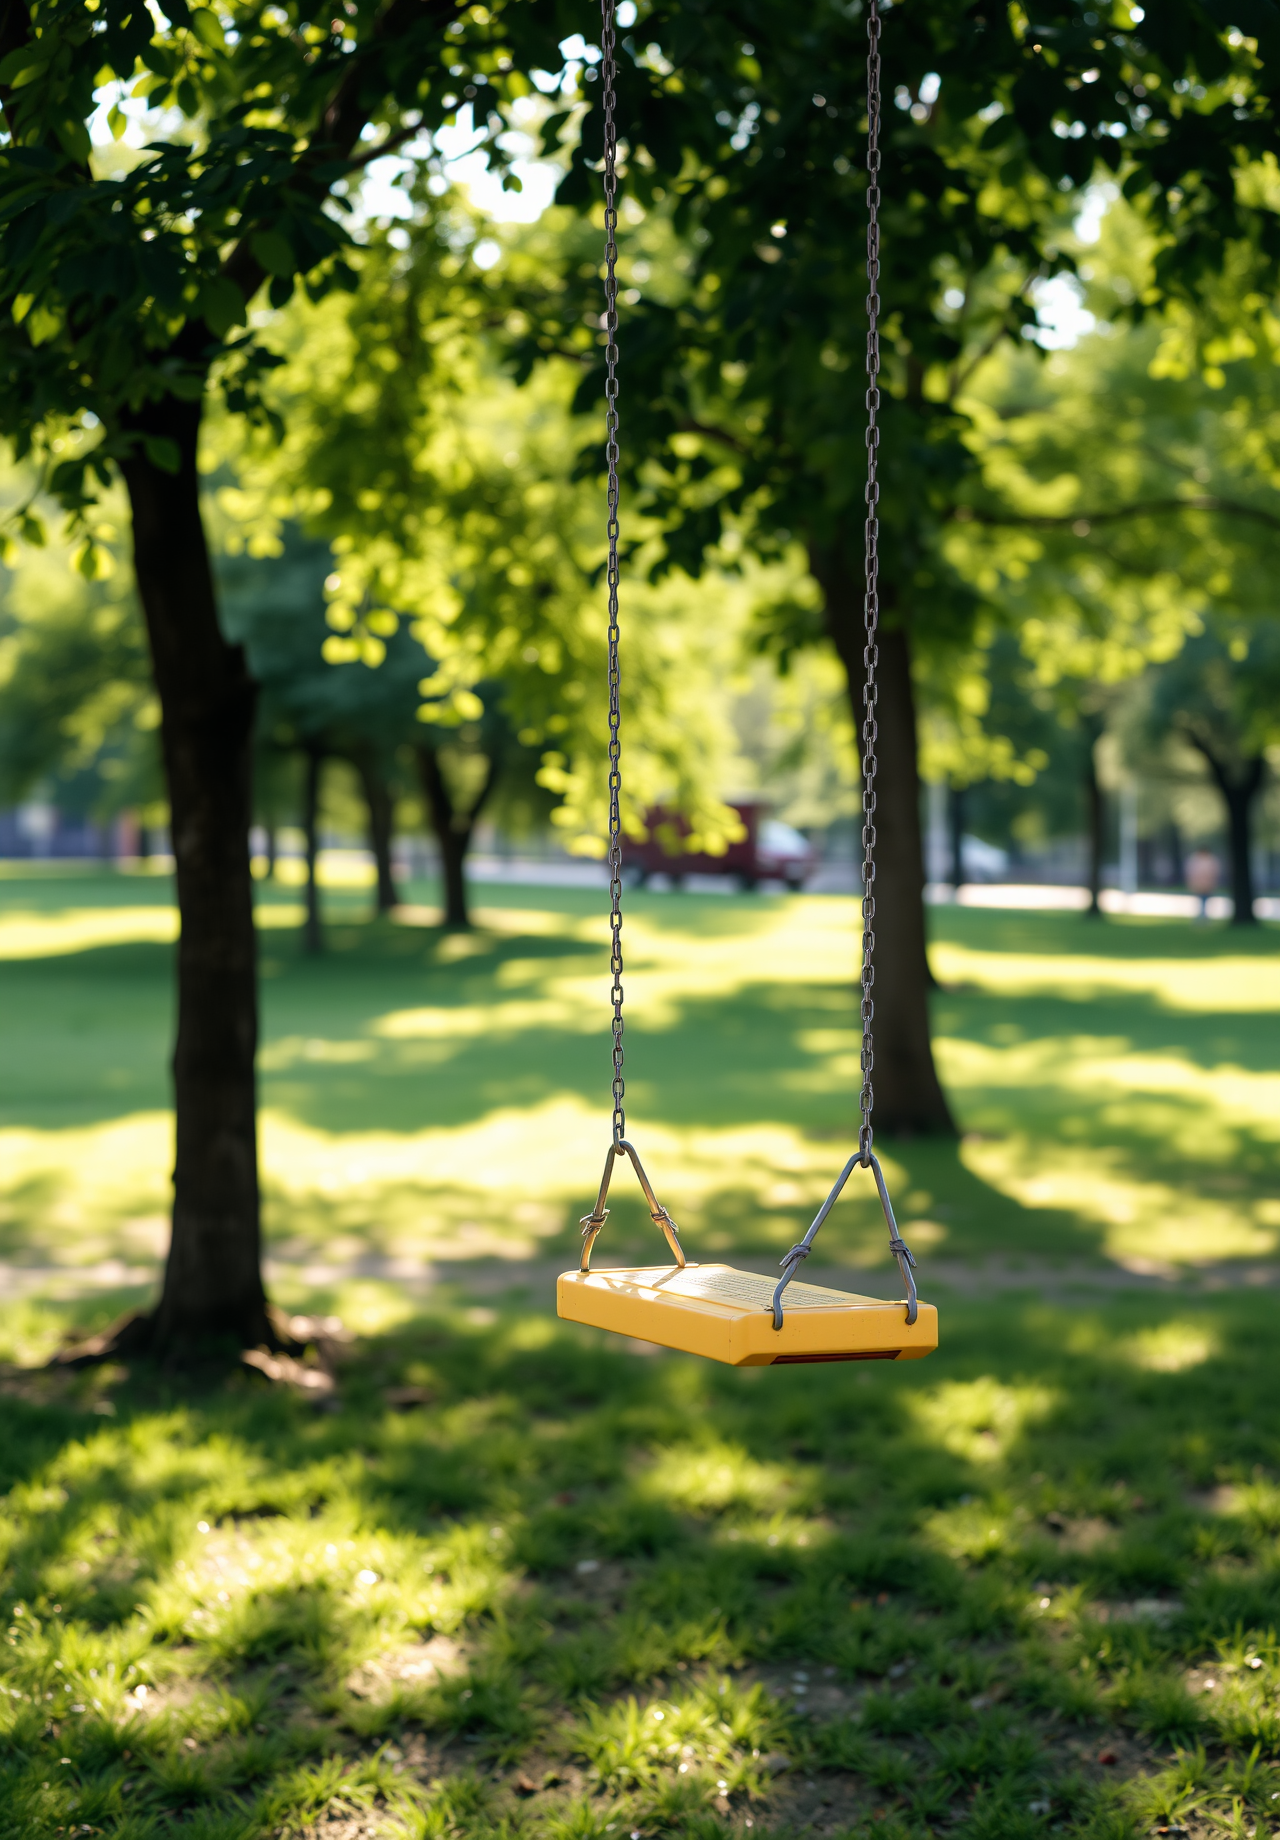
pixel 714 1310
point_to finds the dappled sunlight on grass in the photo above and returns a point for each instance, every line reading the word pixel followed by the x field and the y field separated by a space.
pixel 508 1186
pixel 568 1592
pixel 37 935
pixel 715 1478
pixel 431 1096
pixel 42 935
pixel 1207 985
pixel 1172 1347
pixel 78 1196
pixel 1142 1222
pixel 979 1420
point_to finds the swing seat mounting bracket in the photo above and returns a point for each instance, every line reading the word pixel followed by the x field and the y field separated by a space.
pixel 592 1223
pixel 864 1158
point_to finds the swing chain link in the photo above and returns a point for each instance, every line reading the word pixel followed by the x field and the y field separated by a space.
pixel 871 604
pixel 608 62
pixel 593 1222
pixel 864 1155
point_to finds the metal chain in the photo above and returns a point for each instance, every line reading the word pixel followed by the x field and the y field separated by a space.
pixel 871 610
pixel 608 50
pixel 871 604
pixel 864 1154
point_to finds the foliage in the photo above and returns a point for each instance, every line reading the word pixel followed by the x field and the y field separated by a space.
pixel 1126 520
pixel 77 716
pixel 446 496
pixel 1221 696
pixel 274 605
pixel 125 281
pixel 743 387
pixel 1119 505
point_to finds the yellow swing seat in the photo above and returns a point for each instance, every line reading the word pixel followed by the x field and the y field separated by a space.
pixel 738 1316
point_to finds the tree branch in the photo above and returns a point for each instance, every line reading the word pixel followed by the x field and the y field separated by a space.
pixel 436 788
pixel 1246 788
pixel 1194 739
pixel 713 433
pixel 959 376
pixel 345 114
pixel 15 32
pixel 359 161
pixel 1152 507
pixel 490 781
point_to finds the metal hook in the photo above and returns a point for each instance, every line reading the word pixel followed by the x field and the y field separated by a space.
pixel 863 1157
pixel 592 1223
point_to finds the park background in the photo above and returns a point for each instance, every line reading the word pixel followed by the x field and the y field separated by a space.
pixel 425 1561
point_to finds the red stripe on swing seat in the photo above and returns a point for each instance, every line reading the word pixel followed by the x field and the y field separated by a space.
pixel 793 1360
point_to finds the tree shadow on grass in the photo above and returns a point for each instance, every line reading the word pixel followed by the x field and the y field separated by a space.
pixel 90 1034
pixel 1001 931
pixel 86 1035
pixel 91 1029
pixel 953 1575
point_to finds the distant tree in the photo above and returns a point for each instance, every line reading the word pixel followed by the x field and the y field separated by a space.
pixel 121 298
pixel 449 500
pixel 1127 509
pixel 274 605
pixel 743 391
pixel 1221 697
pixel 77 708
pixel 979 729
pixel 461 767
pixel 326 704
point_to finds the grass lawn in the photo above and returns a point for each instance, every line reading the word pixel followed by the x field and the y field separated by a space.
pixel 512 1578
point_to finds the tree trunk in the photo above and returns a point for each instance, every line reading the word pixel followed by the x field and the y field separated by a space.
pixel 212 1282
pixel 269 835
pixel 314 936
pixel 1177 874
pixel 1239 797
pixel 908 1096
pixel 454 830
pixel 956 815
pixel 381 809
pixel 1096 815
pixel 1240 834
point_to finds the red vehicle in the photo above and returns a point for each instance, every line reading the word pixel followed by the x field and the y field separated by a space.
pixel 770 851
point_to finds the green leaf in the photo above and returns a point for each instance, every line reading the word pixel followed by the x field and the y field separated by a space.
pixel 206 26
pixel 42 325
pixel 92 561
pixel 161 452
pixel 28 59
pixel 161 59
pixel 220 304
pixel 274 251
pixel 117 121
pixel 74 137
pixel 29 75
